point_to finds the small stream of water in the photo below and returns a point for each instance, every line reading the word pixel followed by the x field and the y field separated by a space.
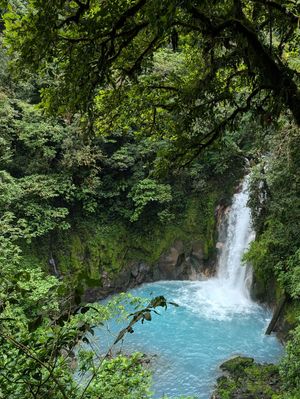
pixel 216 319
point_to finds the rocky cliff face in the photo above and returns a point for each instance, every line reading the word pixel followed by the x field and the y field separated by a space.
pixel 97 257
pixel 181 261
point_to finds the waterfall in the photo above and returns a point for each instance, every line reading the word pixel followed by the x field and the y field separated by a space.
pixel 231 272
pixel 228 293
pixel 216 318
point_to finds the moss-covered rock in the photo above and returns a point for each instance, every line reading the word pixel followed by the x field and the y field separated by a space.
pixel 245 379
pixel 237 365
pixel 98 254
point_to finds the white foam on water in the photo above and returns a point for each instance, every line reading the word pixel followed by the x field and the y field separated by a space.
pixel 216 318
pixel 213 299
pixel 229 292
pixel 231 271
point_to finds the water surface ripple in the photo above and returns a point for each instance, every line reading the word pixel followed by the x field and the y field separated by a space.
pixel 216 318
pixel 190 342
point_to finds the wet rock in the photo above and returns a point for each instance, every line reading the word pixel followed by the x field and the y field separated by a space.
pixel 245 379
pixel 236 366
pixel 135 270
pixel 169 263
pixel 139 273
pixel 106 282
pixel 219 245
pixel 197 252
pixel 182 261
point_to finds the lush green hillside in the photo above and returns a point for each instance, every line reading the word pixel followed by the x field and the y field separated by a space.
pixel 77 210
pixel 122 126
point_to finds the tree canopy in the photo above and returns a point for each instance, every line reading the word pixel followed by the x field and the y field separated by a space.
pixel 132 88
pixel 242 52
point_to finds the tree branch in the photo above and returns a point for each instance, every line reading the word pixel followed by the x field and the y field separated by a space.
pixel 272 70
pixel 215 133
pixel 279 7
pixel 83 7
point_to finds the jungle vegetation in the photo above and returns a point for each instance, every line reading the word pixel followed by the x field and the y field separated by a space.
pixel 118 112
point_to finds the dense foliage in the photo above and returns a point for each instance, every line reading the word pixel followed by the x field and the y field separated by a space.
pixel 275 253
pixel 237 55
pixel 54 175
pixel 106 110
pixel 245 378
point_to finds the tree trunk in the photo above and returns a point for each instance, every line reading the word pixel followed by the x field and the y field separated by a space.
pixel 276 315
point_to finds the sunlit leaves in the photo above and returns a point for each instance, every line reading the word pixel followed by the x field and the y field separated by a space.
pixel 146 192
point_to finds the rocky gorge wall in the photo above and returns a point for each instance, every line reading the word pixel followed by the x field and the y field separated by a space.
pixel 97 258
pixel 181 261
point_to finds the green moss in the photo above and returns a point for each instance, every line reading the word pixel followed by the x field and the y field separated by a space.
pixel 96 246
pixel 292 313
pixel 76 253
pixel 247 379
pixel 279 292
pixel 237 365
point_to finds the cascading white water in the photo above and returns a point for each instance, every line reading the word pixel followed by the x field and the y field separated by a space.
pixel 238 237
pixel 215 320
pixel 228 293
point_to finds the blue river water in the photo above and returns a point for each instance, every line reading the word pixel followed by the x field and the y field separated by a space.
pixel 216 318
pixel 188 343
